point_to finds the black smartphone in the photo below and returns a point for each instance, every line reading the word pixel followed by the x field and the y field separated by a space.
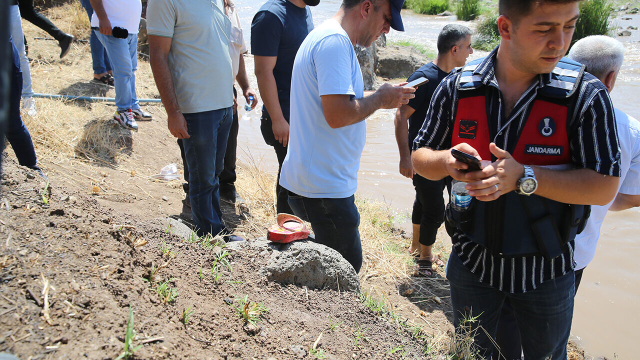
pixel 417 82
pixel 472 161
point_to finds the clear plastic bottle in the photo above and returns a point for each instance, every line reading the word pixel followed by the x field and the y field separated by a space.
pixel 247 109
pixel 460 198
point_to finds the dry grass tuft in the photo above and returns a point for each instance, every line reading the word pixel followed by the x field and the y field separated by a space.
pixel 105 140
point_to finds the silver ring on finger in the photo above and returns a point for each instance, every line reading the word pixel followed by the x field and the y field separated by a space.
pixel 496 185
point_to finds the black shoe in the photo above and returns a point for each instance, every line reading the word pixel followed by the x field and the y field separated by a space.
pixel 186 210
pixel 37 169
pixel 65 45
pixel 231 238
pixel 229 193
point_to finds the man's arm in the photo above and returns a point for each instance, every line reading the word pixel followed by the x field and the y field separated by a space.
pixel 105 24
pixel 269 91
pixel 624 202
pixel 342 110
pixel 243 81
pixel 579 186
pixel 403 114
pixel 159 59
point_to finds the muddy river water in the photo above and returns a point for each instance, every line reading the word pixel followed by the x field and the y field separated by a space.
pixel 607 308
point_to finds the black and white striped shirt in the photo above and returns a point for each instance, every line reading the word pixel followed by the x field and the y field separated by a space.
pixel 594 145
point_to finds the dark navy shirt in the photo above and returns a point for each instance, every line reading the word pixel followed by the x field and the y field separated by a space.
pixel 594 145
pixel 423 94
pixel 278 29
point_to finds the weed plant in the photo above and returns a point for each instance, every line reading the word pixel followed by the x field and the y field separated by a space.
pixel 45 194
pixel 167 294
pixel 166 250
pixel 428 7
pixel 333 326
pixel 467 9
pixel 358 335
pixel 186 314
pixel 128 339
pixel 594 19
pixel 249 311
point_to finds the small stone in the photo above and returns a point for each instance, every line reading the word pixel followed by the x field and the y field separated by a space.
pixel 408 292
pixel 165 198
pixel 75 286
pixel 30 176
pixel 298 351
pixel 73 199
pixel 64 198
pixel 229 301
pixel 626 18
pixel 624 33
pixel 251 329
pixel 633 11
pixel 632 28
pixel 23 252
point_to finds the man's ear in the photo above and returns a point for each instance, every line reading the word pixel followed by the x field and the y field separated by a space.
pixel 365 9
pixel 505 27
pixel 454 49
pixel 610 80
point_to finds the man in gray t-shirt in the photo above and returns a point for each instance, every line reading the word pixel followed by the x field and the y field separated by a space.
pixel 189 54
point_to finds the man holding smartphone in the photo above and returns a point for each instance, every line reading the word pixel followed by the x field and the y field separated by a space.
pixel 454 47
pixel 546 132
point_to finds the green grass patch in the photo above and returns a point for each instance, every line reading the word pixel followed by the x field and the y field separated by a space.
pixel 430 53
pixel 594 19
pixel 487 34
pixel 467 9
pixel 427 7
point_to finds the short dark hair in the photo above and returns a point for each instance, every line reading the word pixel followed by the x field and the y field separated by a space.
pixel 450 35
pixel 348 4
pixel 517 9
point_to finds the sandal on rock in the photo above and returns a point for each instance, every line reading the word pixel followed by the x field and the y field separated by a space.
pixel 289 228
pixel 425 268
pixel 105 80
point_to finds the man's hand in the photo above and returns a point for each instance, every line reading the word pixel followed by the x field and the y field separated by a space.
pixel 234 107
pixel 178 125
pixel 250 92
pixel 394 96
pixel 280 129
pixel 497 178
pixel 457 169
pixel 406 169
pixel 105 26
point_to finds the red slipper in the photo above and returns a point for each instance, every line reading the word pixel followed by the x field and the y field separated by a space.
pixel 290 228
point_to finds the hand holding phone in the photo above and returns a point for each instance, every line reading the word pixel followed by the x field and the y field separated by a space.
pixel 470 160
pixel 417 82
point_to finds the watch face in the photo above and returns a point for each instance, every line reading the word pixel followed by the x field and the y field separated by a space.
pixel 528 186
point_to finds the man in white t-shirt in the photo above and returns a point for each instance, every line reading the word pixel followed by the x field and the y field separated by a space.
pixel 327 133
pixel 602 57
pixel 115 23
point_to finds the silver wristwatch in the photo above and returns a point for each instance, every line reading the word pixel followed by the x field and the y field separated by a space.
pixel 527 184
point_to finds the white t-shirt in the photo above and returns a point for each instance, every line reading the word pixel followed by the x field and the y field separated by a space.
pixel 121 13
pixel 323 162
pixel 237 46
pixel 629 140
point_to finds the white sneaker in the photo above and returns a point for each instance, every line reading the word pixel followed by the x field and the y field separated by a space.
pixel 140 114
pixel 29 104
pixel 125 118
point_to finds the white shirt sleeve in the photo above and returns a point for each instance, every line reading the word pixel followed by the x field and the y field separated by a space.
pixel 631 182
pixel 333 61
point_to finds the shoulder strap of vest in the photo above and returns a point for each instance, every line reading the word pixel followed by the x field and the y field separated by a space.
pixel 564 80
pixel 468 79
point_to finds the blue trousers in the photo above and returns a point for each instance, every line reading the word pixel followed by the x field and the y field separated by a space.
pixel 543 315
pixel 204 152
pixel 99 56
pixel 334 223
pixel 123 54
pixel 16 133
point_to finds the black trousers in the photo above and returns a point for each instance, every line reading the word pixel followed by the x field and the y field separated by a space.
pixel 29 13
pixel 282 197
pixel 228 175
pixel 428 208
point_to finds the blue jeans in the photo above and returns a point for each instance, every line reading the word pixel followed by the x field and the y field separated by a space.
pixel 204 152
pixel 16 133
pixel 99 56
pixel 123 54
pixel 543 315
pixel 15 24
pixel 334 223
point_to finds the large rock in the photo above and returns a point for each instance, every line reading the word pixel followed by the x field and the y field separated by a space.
pixel 304 263
pixel 368 58
pixel 398 61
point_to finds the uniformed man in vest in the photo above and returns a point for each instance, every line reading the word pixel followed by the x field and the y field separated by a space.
pixel 546 134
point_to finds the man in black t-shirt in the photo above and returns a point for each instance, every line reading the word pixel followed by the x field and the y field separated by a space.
pixel 277 31
pixel 454 47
